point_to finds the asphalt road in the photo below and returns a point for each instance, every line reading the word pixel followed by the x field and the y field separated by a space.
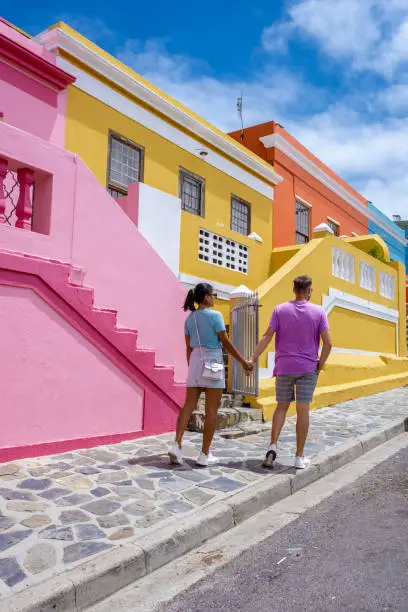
pixel 348 553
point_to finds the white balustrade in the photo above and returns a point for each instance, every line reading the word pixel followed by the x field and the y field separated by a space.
pixel 343 265
pixel 387 285
pixel 367 277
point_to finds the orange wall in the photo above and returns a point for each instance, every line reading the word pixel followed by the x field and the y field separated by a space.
pixel 298 182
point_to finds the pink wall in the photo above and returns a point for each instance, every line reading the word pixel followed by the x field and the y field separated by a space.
pixel 32 87
pixel 52 377
pixel 88 229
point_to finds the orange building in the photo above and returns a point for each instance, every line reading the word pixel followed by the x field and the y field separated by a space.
pixel 310 192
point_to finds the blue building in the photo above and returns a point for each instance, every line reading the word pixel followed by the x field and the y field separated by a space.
pixel 394 237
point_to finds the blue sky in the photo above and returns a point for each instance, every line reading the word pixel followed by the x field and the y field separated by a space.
pixel 333 72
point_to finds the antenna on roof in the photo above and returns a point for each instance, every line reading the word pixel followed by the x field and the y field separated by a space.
pixel 239 109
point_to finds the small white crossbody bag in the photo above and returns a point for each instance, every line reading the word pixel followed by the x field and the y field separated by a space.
pixel 212 370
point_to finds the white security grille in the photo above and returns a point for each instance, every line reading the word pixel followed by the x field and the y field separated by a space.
pixel 221 251
pixel 343 265
pixel 387 286
pixel 367 276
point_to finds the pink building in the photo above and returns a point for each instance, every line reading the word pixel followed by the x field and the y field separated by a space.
pixel 84 362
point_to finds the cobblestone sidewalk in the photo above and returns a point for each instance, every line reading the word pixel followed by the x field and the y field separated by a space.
pixel 57 511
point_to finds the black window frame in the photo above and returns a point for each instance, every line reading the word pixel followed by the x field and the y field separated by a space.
pixel 245 204
pixel 183 174
pixel 115 188
pixel 300 236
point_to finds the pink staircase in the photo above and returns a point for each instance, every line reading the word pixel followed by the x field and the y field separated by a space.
pixel 60 286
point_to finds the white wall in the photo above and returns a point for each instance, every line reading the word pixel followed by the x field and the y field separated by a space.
pixel 159 222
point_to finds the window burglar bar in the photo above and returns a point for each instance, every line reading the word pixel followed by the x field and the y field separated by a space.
pixel 16 196
pixel 302 223
pixel 245 331
pixel 191 193
pixel 240 216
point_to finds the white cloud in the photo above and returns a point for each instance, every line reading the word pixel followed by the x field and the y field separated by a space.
pixel 371 34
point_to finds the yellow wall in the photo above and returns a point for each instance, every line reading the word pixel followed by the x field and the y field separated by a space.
pixel 374 335
pixel 87 127
pixel 315 259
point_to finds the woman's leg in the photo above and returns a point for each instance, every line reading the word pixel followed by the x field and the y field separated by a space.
pixel 192 395
pixel 212 403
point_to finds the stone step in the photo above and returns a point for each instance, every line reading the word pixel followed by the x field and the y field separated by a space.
pixel 227 418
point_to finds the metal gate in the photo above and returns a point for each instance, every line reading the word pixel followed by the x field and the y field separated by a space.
pixel 245 329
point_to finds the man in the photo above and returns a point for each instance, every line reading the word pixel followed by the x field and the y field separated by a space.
pixel 299 326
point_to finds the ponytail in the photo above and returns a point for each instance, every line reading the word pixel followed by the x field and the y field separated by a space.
pixel 197 296
pixel 189 304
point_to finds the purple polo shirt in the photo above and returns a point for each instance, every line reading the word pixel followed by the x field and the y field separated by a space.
pixel 298 326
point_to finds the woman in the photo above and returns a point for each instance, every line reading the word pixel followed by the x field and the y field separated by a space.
pixel 205 336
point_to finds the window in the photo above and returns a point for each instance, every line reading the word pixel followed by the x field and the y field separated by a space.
pixel 125 165
pixel 302 223
pixel 334 226
pixel 240 216
pixel 191 189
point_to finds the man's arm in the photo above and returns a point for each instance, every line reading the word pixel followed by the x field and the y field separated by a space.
pixel 262 344
pixel 326 349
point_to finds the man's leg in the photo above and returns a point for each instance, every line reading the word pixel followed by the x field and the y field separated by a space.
pixel 302 427
pixel 278 421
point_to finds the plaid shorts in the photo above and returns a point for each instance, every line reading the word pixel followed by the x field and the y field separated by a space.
pixel 305 387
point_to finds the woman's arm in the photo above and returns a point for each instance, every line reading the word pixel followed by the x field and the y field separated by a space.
pixel 189 350
pixel 230 348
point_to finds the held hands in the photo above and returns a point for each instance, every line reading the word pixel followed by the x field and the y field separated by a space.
pixel 248 367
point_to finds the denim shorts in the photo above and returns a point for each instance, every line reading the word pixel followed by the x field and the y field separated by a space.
pixel 305 386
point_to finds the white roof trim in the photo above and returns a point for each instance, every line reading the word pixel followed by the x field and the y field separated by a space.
pixel 276 140
pixel 57 39
pixel 304 202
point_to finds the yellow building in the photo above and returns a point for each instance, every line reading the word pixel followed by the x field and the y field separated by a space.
pixel 127 130
pixel 206 205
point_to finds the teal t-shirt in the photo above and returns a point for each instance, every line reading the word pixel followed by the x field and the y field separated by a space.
pixel 209 323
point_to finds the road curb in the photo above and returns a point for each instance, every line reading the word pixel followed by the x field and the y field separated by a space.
pixel 106 574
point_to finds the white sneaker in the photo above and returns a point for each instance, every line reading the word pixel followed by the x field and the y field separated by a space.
pixel 301 463
pixel 176 455
pixel 206 460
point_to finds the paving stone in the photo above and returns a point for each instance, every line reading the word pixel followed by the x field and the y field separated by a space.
pixel 37 520
pixel 177 507
pixel 6 522
pixel 88 532
pixel 60 475
pixel 144 483
pixel 76 552
pixel 35 484
pixel 192 475
pixel 100 454
pixel 114 520
pixel 124 483
pixel 77 499
pixel 87 470
pixel 162 496
pixel 23 495
pixel 8 469
pixel 109 466
pixel 159 474
pixel 10 571
pixel 197 496
pixel 100 492
pixel 115 476
pixel 101 507
pixel 127 492
pixel 73 516
pixel 77 482
pixel 54 493
pixel 10 538
pixel 175 485
pixel 222 484
pixel 139 508
pixel 60 465
pixel 40 557
pixel 122 533
pixel 26 506
pixel 151 519
pixel 57 533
